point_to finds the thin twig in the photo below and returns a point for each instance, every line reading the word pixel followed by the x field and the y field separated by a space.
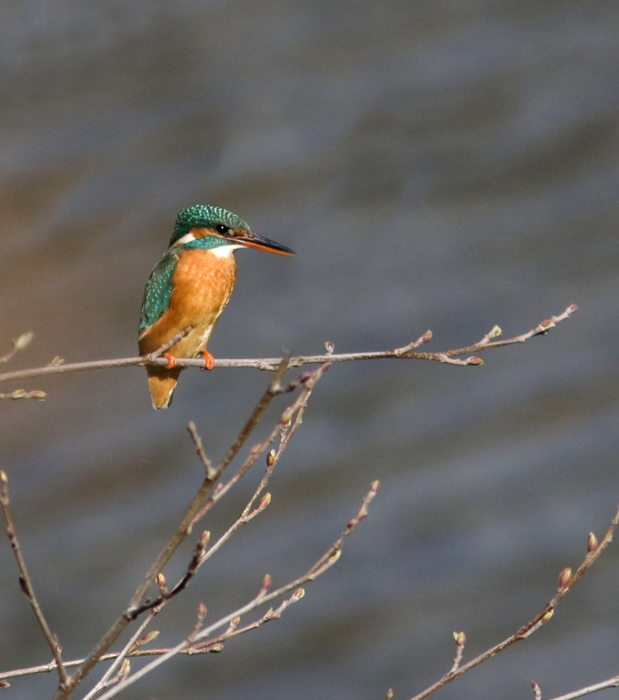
pixel 272 363
pixel 24 579
pixel 286 427
pixel 275 388
pixel 460 638
pixel 200 451
pixel 604 685
pixel 166 346
pixel 212 645
pixel 108 677
pixel 216 643
pixel 309 381
pixel 567 580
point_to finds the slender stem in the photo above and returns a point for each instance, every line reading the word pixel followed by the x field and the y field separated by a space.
pixel 539 619
pixel 25 581
pixel 604 685
pixel 259 449
pixel 120 657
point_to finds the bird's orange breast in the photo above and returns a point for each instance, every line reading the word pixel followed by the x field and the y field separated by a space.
pixel 201 287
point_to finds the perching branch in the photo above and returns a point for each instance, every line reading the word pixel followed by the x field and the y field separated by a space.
pixel 407 352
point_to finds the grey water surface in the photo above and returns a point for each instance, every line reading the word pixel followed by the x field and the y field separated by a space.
pixel 446 165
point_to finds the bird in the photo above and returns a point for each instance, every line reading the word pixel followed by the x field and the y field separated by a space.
pixel 190 287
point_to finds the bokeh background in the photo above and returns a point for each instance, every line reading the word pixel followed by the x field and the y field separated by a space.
pixel 442 164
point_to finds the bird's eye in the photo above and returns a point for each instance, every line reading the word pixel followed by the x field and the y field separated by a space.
pixel 222 228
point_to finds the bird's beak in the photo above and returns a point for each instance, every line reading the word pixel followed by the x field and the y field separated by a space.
pixel 261 243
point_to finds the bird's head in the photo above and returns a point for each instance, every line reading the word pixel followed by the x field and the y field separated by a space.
pixel 225 228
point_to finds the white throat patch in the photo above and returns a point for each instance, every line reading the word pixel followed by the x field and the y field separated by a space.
pixel 223 251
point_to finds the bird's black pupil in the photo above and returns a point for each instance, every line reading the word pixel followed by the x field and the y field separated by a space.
pixel 221 228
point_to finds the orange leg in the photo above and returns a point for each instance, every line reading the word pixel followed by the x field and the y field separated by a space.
pixel 209 360
pixel 171 359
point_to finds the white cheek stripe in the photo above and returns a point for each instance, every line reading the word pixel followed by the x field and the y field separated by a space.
pixel 187 238
pixel 222 251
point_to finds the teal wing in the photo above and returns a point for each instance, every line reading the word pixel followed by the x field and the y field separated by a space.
pixel 158 291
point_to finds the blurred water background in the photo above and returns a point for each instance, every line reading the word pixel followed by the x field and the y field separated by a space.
pixel 444 164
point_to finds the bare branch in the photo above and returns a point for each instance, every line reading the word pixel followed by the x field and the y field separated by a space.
pixel 197 441
pixel 213 645
pixel 319 567
pixel 109 678
pixel 135 606
pixel 308 382
pixel 213 488
pixel 285 428
pixel 200 641
pixel 604 685
pixel 271 364
pixel 25 581
pixel 567 580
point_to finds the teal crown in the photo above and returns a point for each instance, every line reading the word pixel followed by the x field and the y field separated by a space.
pixel 205 216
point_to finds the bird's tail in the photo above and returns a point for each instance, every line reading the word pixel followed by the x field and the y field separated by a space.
pixel 161 383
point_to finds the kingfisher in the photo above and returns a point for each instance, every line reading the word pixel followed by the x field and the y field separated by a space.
pixel 190 287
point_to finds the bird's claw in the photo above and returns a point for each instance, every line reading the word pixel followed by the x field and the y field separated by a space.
pixel 209 360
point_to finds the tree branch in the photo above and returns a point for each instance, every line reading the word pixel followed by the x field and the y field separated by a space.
pixel 604 685
pixel 567 580
pixel 285 428
pixel 407 352
pixel 135 606
pixel 25 581
pixel 325 562
pixel 288 424
pixel 200 642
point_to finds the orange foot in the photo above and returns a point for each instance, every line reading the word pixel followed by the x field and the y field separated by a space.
pixel 209 360
pixel 171 359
